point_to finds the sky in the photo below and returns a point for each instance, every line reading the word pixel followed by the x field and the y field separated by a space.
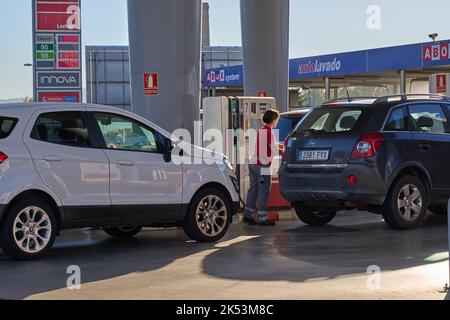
pixel 316 27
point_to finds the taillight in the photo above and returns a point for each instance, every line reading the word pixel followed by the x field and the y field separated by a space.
pixel 3 157
pixel 352 180
pixel 367 146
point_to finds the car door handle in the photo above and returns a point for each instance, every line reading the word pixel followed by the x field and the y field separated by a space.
pixel 425 146
pixel 125 163
pixel 52 158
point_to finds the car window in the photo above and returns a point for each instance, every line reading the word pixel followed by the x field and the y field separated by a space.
pixel 428 118
pixel 123 133
pixel 6 126
pixel 398 120
pixel 66 128
pixel 347 120
pixel 331 120
pixel 320 123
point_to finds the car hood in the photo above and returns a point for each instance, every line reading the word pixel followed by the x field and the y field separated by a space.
pixel 200 152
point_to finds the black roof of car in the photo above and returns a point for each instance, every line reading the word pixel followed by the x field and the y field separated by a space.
pixel 386 100
pixel 295 113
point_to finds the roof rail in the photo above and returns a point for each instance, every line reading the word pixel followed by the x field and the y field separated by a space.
pixel 406 97
pixel 349 99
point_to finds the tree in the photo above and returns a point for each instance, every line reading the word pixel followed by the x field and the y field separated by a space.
pixel 28 99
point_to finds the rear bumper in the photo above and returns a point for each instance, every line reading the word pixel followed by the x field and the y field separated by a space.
pixel 327 185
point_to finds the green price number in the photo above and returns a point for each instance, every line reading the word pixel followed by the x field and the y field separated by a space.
pixel 45 56
pixel 45 47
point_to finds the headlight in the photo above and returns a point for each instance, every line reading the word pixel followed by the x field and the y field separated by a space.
pixel 227 163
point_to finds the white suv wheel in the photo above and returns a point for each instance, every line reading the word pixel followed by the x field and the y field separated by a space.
pixel 32 229
pixel 28 229
pixel 211 215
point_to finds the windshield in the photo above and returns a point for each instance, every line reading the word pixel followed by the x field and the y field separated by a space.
pixel 331 120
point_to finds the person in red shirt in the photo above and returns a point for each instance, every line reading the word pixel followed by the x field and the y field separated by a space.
pixel 260 173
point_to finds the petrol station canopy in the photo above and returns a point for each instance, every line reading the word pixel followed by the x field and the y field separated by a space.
pixel 374 67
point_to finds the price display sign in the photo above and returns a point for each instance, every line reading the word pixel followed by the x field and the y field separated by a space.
pixel 57 50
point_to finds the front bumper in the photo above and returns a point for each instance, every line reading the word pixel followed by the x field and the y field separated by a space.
pixel 327 185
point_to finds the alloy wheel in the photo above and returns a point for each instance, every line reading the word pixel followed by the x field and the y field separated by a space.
pixel 32 229
pixel 211 215
pixel 410 202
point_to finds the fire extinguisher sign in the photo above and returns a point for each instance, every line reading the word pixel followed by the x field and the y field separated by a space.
pixel 441 83
pixel 151 88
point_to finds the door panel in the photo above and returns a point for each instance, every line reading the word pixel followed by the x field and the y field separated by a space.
pixel 432 141
pixel 78 174
pixel 139 174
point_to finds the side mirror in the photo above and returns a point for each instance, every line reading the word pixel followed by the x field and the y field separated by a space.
pixel 168 148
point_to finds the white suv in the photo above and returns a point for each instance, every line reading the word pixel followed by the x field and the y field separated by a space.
pixel 75 166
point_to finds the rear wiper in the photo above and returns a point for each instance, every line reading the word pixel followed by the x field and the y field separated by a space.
pixel 312 131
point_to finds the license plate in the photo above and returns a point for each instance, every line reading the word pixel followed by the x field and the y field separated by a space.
pixel 319 155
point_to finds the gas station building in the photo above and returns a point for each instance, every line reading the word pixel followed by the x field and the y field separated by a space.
pixel 390 70
pixel 383 71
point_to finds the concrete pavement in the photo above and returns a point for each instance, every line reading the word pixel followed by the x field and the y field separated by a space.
pixel 289 261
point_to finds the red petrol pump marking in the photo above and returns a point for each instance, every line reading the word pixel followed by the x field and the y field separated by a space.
pixel 262 94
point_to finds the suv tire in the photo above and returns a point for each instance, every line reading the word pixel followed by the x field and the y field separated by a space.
pixel 123 232
pixel 406 204
pixel 209 216
pixel 313 216
pixel 28 230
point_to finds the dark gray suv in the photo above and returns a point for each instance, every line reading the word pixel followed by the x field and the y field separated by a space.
pixel 388 155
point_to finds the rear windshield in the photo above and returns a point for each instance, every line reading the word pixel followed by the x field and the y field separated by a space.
pixel 331 120
pixel 6 126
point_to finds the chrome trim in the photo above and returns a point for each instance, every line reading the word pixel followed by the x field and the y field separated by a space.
pixel 404 97
pixel 317 166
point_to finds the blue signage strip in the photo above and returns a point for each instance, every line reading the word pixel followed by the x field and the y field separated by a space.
pixel 229 76
pixel 366 61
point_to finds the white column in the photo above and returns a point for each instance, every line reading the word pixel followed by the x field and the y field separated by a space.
pixel 265 41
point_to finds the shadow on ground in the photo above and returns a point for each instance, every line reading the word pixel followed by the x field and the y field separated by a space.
pixel 348 246
pixel 291 252
pixel 98 256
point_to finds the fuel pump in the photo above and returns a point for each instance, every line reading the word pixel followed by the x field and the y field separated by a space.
pixel 237 118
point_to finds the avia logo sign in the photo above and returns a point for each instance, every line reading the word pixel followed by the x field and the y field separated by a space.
pixel 213 76
pixel 320 66
pixel 51 80
pixel 220 77
pixel 437 52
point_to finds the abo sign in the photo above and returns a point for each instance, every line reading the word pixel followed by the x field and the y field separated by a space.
pixel 57 50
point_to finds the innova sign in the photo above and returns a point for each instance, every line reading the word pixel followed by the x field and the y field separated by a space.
pixel 54 80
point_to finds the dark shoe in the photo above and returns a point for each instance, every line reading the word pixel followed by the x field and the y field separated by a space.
pixel 267 223
pixel 249 221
